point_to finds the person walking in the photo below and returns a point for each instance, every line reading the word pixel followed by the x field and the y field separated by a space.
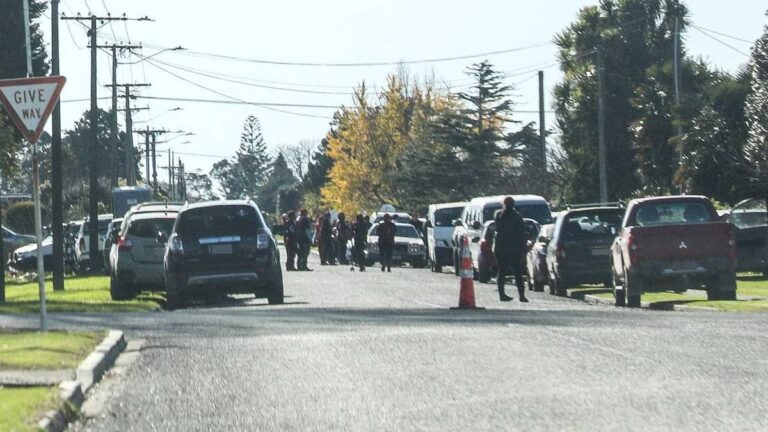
pixel 304 233
pixel 386 232
pixel 509 248
pixel 342 234
pixel 360 236
pixel 290 239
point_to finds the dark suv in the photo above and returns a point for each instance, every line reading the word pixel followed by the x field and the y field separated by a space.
pixel 218 248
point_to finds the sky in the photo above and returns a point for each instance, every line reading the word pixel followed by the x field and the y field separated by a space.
pixel 331 31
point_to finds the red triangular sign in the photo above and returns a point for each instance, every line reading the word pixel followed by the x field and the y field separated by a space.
pixel 29 102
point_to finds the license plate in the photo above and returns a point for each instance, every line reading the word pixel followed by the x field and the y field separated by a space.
pixel 221 249
pixel 601 252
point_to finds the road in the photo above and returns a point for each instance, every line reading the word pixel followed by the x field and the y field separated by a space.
pixel 374 351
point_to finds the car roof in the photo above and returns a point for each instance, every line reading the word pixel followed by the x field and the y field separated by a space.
pixel 591 209
pixel 154 215
pixel 447 205
pixel 519 199
pixel 670 198
pixel 220 203
pixel 105 216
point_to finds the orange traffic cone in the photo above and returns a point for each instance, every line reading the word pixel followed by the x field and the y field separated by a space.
pixel 467 284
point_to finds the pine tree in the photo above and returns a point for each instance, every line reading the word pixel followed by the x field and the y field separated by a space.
pixel 249 170
pixel 757 113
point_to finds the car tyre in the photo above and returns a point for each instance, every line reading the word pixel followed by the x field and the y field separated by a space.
pixel 632 300
pixel 437 268
pixel 618 292
pixel 174 299
pixel 119 291
pixel 724 289
pixel 277 295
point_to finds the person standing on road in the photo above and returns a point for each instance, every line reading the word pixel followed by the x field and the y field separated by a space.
pixel 304 233
pixel 290 239
pixel 360 235
pixel 326 240
pixel 343 233
pixel 509 248
pixel 386 232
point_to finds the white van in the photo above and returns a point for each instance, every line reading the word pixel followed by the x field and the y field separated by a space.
pixel 440 233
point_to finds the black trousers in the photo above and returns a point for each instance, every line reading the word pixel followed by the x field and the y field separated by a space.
pixel 385 255
pixel 291 250
pixel 510 265
pixel 359 254
pixel 303 255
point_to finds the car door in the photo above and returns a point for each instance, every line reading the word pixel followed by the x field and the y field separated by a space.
pixel 751 221
pixel 553 246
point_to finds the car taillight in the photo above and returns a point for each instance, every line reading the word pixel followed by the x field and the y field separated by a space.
pixel 262 240
pixel 175 245
pixel 632 248
pixel 124 244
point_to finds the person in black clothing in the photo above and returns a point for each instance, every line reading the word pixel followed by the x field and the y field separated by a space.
pixel 342 233
pixel 304 232
pixel 290 238
pixel 326 240
pixel 360 235
pixel 509 248
pixel 386 232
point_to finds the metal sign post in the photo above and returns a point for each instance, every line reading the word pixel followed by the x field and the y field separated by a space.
pixel 29 102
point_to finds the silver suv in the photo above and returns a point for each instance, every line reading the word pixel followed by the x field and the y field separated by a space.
pixel 137 257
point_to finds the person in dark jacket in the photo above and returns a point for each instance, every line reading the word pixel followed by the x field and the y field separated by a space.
pixel 510 247
pixel 342 233
pixel 291 240
pixel 326 240
pixel 386 232
pixel 304 233
pixel 360 236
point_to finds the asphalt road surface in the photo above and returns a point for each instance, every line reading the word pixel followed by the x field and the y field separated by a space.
pixel 382 351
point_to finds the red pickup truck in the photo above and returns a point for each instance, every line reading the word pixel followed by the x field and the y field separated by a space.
pixel 673 243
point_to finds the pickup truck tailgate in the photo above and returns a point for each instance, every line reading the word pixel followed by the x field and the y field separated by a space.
pixel 682 242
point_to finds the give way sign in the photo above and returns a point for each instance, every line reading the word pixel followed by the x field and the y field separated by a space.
pixel 29 102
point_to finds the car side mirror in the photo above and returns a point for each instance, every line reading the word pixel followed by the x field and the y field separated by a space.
pixel 162 238
pixel 476 225
pixel 458 223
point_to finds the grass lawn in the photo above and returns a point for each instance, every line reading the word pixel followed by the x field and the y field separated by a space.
pixel 84 294
pixel 752 286
pixel 20 408
pixel 698 298
pixel 51 350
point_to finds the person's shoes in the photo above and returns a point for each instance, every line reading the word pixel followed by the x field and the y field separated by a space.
pixel 389 270
pixel 307 269
pixel 290 269
pixel 523 300
pixel 362 268
pixel 505 298
pixel 382 268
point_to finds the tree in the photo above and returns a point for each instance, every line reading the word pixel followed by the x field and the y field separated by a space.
pixel 199 186
pixel 757 114
pixel 281 183
pixel 299 155
pixel 249 169
pixel 633 36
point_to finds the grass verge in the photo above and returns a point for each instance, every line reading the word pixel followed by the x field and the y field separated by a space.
pixel 22 350
pixel 697 298
pixel 20 407
pixel 84 294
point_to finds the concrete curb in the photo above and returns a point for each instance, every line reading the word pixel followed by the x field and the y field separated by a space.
pixel 645 305
pixel 89 372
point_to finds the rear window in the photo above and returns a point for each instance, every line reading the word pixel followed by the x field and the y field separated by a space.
pixel 103 225
pixel 148 228
pixel 672 213
pixel 219 221
pixel 538 212
pixel 445 216
pixel 598 224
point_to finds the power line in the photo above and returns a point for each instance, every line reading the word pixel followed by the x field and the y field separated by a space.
pixel 723 34
pixel 721 42
pixel 236 102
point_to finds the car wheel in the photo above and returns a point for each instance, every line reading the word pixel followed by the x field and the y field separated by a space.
pixel 632 300
pixel 419 264
pixel 119 290
pixel 437 268
pixel 552 285
pixel 561 288
pixel 174 299
pixel 277 295
pixel 723 289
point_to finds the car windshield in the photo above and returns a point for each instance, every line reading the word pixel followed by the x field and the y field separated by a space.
pixel 593 224
pixel 749 214
pixel 225 220
pixel 149 228
pixel 406 231
pixel 672 213
pixel 445 216
pixel 538 212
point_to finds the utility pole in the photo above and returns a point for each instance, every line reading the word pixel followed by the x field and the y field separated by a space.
pixel 93 184
pixel 113 116
pixel 182 182
pixel 57 201
pixel 170 176
pixel 129 157
pixel 676 63
pixel 150 140
pixel 542 127
pixel 601 126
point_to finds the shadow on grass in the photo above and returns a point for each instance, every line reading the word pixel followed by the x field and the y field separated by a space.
pixel 752 278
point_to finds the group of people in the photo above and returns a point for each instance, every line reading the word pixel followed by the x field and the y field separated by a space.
pixel 332 238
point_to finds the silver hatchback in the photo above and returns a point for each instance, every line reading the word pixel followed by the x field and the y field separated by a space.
pixel 137 257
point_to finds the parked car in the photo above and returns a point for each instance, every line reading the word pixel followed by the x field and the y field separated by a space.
pixel 13 241
pixel 751 221
pixel 71 231
pixel 409 246
pixel 536 260
pixel 483 209
pixel 149 207
pixel 82 250
pixel 218 248
pixel 673 244
pixel 138 259
pixel 579 250
pixel 484 263
pixel 24 258
pixel 440 230
pixel 113 230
